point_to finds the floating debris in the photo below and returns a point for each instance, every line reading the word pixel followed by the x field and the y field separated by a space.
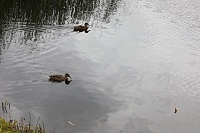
pixel 175 110
pixel 70 123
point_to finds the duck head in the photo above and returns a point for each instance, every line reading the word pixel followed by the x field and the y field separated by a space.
pixel 68 77
pixel 87 25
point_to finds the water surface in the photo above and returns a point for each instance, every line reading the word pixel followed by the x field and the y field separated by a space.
pixel 138 62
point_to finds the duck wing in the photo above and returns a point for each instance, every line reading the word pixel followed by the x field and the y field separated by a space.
pixel 80 28
pixel 56 76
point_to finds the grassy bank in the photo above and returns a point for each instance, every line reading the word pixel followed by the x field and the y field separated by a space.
pixel 14 126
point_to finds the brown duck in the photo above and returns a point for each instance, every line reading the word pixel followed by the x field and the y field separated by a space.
pixel 60 78
pixel 82 28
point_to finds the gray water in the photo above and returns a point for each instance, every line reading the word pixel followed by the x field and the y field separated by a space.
pixel 139 61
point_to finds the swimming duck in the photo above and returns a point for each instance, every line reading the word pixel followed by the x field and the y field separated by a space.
pixel 81 28
pixel 60 78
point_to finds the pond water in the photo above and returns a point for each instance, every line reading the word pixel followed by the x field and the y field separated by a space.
pixel 139 61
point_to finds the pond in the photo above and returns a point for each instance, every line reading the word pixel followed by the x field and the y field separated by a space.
pixel 139 61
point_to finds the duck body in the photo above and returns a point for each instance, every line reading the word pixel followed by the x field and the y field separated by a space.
pixel 82 28
pixel 60 78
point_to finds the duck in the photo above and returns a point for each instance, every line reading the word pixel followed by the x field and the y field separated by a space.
pixel 82 28
pixel 59 78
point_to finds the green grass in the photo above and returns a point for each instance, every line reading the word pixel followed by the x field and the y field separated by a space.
pixel 14 126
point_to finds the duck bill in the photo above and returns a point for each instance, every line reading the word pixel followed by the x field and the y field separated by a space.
pixel 69 79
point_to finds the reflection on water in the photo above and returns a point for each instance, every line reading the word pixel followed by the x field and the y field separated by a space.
pixel 27 18
pixel 46 12
pixel 30 22
pixel 138 62
pixel 55 12
pixel 30 35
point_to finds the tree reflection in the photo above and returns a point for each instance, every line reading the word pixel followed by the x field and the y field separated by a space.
pixel 47 12
pixel 19 13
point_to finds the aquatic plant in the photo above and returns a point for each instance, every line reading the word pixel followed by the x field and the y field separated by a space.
pixel 21 126
pixel 14 126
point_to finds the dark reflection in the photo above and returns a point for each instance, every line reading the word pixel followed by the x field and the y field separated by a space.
pixel 48 12
pixel 45 12
pixel 87 31
pixel 110 9
pixel 22 21
pixel 67 82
